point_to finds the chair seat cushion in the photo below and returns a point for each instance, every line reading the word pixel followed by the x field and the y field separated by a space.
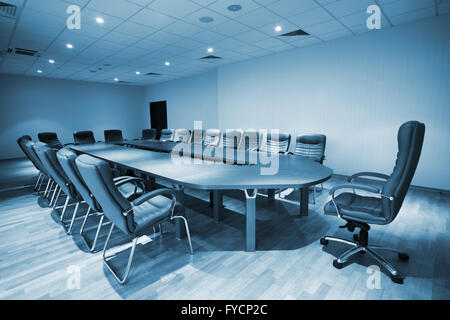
pixel 356 207
pixel 128 191
pixel 151 212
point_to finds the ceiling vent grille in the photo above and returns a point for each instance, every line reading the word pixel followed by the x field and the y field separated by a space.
pixel 8 10
pixel 298 32
pixel 210 57
pixel 25 52
pixel 153 74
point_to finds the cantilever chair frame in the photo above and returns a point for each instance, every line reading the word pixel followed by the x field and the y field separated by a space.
pixel 171 217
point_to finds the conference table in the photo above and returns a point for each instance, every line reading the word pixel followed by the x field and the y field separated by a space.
pixel 215 170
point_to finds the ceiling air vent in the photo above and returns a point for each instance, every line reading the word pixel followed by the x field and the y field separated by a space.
pixel 8 10
pixel 298 32
pixel 25 52
pixel 121 81
pixel 210 57
pixel 153 74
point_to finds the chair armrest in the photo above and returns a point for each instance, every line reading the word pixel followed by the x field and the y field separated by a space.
pixel 368 174
pixel 155 193
pixel 126 179
pixel 354 186
pixel 290 153
pixel 69 144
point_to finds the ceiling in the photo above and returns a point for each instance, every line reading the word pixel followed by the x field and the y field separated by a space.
pixel 142 35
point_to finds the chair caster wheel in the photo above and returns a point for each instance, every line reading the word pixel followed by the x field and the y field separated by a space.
pixel 337 264
pixel 323 241
pixel 403 257
pixel 397 279
pixel 355 237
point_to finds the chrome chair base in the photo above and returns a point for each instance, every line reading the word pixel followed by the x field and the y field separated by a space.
pixel 124 277
pixel 91 246
pixel 340 262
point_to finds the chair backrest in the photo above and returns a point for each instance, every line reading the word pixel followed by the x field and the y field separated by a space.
pixel 29 146
pixel 231 138
pixel 66 159
pixel 311 146
pixel 47 155
pixel 113 136
pixel 97 175
pixel 166 135
pixel 197 136
pixel 83 137
pixel 410 141
pixel 149 134
pixel 22 144
pixel 182 135
pixel 51 139
pixel 212 138
pixel 277 142
pixel 251 139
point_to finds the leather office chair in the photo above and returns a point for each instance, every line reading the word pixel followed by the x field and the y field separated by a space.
pixel 251 140
pixel 212 138
pixel 231 138
pixel 113 136
pixel 51 139
pixel 22 142
pixel 362 211
pixel 149 134
pixel 182 135
pixel 29 146
pixel 132 218
pixel 48 157
pixel 197 136
pixel 129 187
pixel 167 135
pixel 83 137
pixel 277 143
pixel 311 147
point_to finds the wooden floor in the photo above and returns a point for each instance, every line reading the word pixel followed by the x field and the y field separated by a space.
pixel 36 255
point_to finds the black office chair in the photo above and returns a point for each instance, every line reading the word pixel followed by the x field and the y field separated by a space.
pixel 113 136
pixel 48 157
pixel 29 146
pixel 129 187
pixel 311 147
pixel 167 135
pixel 22 142
pixel 132 218
pixel 149 134
pixel 51 139
pixel 83 137
pixel 277 143
pixel 361 211
pixel 251 140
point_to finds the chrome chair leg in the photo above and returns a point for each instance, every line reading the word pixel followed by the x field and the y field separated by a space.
pixel 91 247
pixel 347 254
pixel 46 189
pixel 57 198
pixel 69 231
pixel 130 258
pixel 382 261
pixel 187 232
pixel 41 184
pixel 351 243
pixel 53 196
pixel 38 180
pixel 65 208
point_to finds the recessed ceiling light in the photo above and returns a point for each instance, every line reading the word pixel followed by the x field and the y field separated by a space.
pixel 51 61
pixel 234 7
pixel 116 79
pixel 278 28
pixel 210 50
pixel 167 63
pixel 99 20
pixel 206 19
pixel 39 71
pixel 69 46
pixel 138 72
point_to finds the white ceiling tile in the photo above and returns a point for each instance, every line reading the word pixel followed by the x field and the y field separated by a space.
pixel 183 28
pixel 247 48
pixel 149 45
pixel 221 6
pixel 117 8
pixel 258 17
pixel 190 44
pixel 230 28
pixel 194 18
pixel 413 16
pixel 164 37
pixel 287 8
pixel 323 28
pixel 286 26
pixel 251 36
pixel 89 16
pixel 135 29
pixel 303 42
pixel 404 6
pixel 53 7
pixel 142 3
pixel 345 7
pixel 265 2
pixel 230 43
pixel 120 38
pixel 208 37
pixel 152 19
pixel 203 3
pixel 175 8
pixel 335 34
pixel 310 18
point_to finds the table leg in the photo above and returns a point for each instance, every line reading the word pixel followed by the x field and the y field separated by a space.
pixel 250 220
pixel 304 199
pixel 179 227
pixel 152 183
pixel 218 204
pixel 271 193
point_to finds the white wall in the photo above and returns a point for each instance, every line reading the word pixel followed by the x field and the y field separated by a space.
pixel 188 99
pixel 29 105
pixel 356 90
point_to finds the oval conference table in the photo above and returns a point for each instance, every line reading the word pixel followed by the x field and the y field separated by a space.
pixel 209 169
